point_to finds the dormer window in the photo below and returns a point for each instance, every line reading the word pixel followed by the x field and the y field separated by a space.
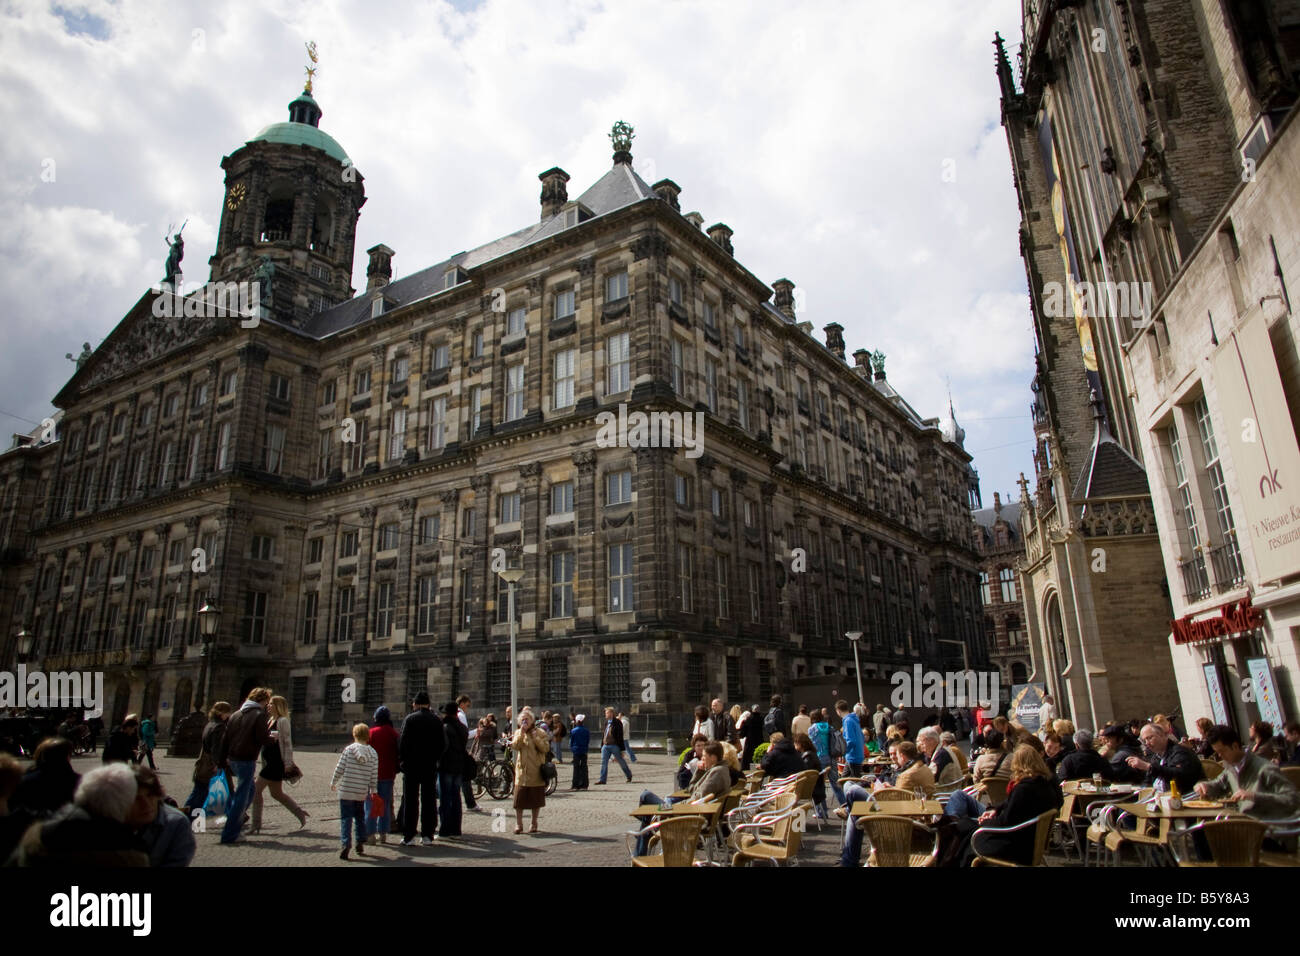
pixel 575 213
pixel 454 277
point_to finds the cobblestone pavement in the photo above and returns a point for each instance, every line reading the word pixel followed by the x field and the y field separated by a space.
pixel 577 829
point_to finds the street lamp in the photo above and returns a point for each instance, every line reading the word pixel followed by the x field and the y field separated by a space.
pixel 854 637
pixel 25 640
pixel 512 577
pixel 209 618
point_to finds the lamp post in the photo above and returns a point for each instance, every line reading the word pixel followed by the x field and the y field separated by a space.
pixel 25 639
pixel 854 637
pixel 512 577
pixel 209 618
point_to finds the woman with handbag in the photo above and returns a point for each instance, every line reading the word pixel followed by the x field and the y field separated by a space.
pixel 205 765
pixel 278 766
pixel 531 746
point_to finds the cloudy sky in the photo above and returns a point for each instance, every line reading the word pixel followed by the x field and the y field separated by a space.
pixel 821 132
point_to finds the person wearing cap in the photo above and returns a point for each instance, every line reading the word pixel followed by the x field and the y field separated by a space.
pixel 579 741
pixel 419 749
pixel 383 738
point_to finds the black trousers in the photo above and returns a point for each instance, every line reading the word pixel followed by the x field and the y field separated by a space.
pixel 467 791
pixel 413 789
pixel 579 772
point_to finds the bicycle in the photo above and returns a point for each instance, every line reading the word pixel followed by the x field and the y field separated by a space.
pixel 507 763
pixel 494 777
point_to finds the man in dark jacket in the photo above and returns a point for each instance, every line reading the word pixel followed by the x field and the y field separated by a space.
pixel 723 730
pixel 52 782
pixel 419 749
pixel 775 722
pixel 1169 763
pixel 1121 749
pixel 611 745
pixel 781 759
pixel 246 732
pixel 579 742
pixel 1083 762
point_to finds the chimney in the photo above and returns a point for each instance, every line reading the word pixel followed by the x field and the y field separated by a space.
pixel 695 219
pixel 380 271
pixel 721 234
pixel 862 358
pixel 997 503
pixel 784 299
pixel 805 328
pixel 835 339
pixel 554 193
pixel 668 191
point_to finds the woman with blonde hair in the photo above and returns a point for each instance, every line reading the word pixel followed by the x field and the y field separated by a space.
pixel 531 745
pixel 734 738
pixel 278 765
pixel 1031 791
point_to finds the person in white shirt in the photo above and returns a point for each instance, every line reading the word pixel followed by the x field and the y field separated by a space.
pixel 627 736
pixel 466 784
pixel 1046 714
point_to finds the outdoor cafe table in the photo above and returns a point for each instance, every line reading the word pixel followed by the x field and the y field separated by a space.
pixel 677 809
pixel 1080 793
pixel 1166 818
pixel 898 808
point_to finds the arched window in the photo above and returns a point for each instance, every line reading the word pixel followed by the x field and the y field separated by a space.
pixel 1018 673
pixel 1007 578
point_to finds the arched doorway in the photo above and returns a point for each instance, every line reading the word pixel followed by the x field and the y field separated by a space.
pixel 152 691
pixel 183 701
pixel 121 701
pixel 1019 674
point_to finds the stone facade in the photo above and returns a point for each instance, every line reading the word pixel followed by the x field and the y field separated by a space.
pixel 998 539
pixel 213 464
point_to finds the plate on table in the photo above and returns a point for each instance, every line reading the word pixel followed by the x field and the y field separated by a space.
pixel 1203 804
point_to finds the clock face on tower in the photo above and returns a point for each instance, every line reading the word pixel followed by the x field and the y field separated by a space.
pixel 235 196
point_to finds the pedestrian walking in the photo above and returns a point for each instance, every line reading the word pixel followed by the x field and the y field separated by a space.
pixel 383 738
pixel 821 735
pixel 451 769
pixel 148 740
pixel 558 733
pixel 468 774
pixel 356 776
pixel 750 728
pixel 611 745
pixel 802 721
pixel 419 749
pixel 531 747
pixel 246 733
pixel 277 765
pixel 579 740
pixel 775 722
pixel 627 736
pixel 205 765
pixel 851 728
pixel 123 742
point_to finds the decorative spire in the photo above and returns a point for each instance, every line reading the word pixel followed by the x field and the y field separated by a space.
pixel 311 70
pixel 1005 78
pixel 621 136
pixel 878 363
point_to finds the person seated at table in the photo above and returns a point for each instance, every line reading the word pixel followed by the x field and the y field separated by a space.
pixel 687 770
pixel 1292 738
pixel 712 782
pixel 912 773
pixel 808 754
pixel 1053 751
pixel 943 767
pixel 1117 748
pixel 781 759
pixel 1170 763
pixel 1261 739
pixel 948 741
pixel 1201 745
pixel 1031 791
pixel 1263 790
pixel 981 744
pixel 1083 763
pixel 1065 730
pixel 993 762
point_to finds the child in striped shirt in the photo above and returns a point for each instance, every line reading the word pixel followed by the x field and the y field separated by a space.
pixel 356 776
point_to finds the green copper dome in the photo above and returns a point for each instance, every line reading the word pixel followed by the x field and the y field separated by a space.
pixel 302 129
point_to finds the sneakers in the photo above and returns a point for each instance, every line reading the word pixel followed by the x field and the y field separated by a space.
pixel 426 841
pixel 629 778
pixel 407 841
pixel 343 854
pixel 361 849
pixel 383 838
pixel 600 783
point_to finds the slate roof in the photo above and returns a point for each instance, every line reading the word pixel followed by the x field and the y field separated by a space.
pixel 617 189
pixel 986 518
pixel 1109 471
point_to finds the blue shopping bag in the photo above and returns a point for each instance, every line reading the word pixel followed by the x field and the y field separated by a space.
pixel 218 795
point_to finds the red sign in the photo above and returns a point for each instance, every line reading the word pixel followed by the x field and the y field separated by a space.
pixel 1235 617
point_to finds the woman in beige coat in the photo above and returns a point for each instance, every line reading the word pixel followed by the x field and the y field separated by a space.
pixel 531 746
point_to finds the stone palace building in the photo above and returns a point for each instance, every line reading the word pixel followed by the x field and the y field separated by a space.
pixel 335 473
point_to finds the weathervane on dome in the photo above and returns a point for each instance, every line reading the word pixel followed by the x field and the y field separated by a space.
pixel 311 70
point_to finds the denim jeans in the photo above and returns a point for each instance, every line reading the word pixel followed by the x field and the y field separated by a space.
pixel 245 774
pixel 628 750
pixel 833 778
pixel 607 751
pixel 449 811
pixel 962 804
pixel 382 823
pixel 350 810
pixel 851 852
pixel 643 841
pixel 198 796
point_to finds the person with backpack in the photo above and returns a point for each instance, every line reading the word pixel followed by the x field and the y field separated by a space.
pixel 148 740
pixel 830 747
pixel 851 728
pixel 775 722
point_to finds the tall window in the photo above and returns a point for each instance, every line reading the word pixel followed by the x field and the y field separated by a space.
pixel 441 357
pixel 348 544
pixel 1007 579
pixel 562 584
pixel 564 304
pixel 682 489
pixel 166 464
pixel 742 400
pixel 425 602
pixel 711 385
pixel 436 437
pixel 514 392
pixel 400 370
pixel 223 446
pixel 310 611
pixel 620 578
pixel 564 378
pixel 562 498
pixel 168 628
pixel 141 471
pixel 986 595
pixel 397 435
pixel 618 364
pixel 675 290
pixel 1230 568
pixel 255 617
pixel 358 451
pixel 343 606
pixel 755 599
pixel 710 316
pixel 475 409
pixel 723 575
pixel 384 605
pixel 279 387
pixel 361 382
pixel 389 535
pixel 516 321
pixel 1185 495
pixel 678 367
pixel 324 452
pixel 274 448
pixel 138 621
pixel 616 287
pixel 430 529
pixel 685 577
pixel 508 507
pixel 618 487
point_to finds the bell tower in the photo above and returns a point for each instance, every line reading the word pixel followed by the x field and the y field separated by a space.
pixel 289 217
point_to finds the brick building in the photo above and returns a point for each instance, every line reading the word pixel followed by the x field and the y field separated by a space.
pixel 999 540
pixel 335 476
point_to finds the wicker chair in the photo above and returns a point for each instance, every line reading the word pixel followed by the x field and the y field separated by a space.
pixel 891 793
pixel 774 837
pixel 1292 774
pixel 1212 768
pixel 677 839
pixel 892 838
pixel 995 790
pixel 1232 843
pixel 1042 825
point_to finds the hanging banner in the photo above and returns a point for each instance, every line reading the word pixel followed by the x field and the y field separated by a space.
pixel 1266 699
pixel 1263 445
pixel 1213 684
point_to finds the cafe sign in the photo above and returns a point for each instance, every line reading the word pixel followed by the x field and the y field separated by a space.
pixel 1233 618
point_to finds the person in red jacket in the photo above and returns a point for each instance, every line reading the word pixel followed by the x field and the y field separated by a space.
pixel 383 737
